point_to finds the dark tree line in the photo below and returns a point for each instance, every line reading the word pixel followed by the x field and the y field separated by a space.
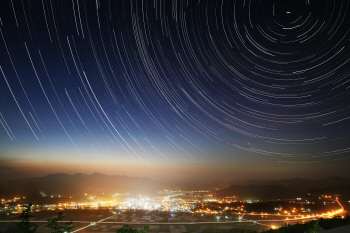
pixel 313 226
pixel 56 226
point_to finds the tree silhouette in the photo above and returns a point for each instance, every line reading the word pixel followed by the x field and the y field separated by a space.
pixel 314 228
pixel 59 227
pixel 25 226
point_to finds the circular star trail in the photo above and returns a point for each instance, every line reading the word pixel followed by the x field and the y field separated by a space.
pixel 177 80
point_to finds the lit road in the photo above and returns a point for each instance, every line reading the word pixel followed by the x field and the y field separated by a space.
pixel 92 224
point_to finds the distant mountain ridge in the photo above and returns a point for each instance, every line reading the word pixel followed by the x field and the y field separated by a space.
pixel 77 184
pixel 298 183
pixel 264 192
pixel 287 188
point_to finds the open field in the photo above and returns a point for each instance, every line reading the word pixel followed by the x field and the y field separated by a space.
pixel 105 220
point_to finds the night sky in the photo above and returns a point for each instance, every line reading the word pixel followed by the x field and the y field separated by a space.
pixel 180 90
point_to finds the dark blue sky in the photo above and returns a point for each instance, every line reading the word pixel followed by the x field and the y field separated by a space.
pixel 175 89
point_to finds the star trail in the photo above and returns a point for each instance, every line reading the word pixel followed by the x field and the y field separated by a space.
pixel 176 84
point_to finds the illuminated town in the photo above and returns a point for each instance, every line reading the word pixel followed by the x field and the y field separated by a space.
pixel 167 209
pixel 201 202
